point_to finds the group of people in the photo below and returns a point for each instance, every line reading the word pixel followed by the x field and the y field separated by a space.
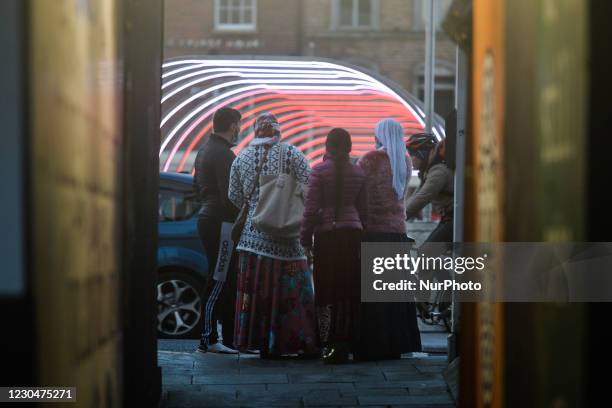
pixel 299 294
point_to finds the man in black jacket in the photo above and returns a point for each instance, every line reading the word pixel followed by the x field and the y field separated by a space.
pixel 212 169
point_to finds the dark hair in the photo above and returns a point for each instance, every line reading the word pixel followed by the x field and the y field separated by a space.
pixel 338 146
pixel 223 119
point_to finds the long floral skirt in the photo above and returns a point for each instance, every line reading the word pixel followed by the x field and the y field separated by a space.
pixel 275 310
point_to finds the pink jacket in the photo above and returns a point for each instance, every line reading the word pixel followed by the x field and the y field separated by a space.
pixel 386 212
pixel 320 203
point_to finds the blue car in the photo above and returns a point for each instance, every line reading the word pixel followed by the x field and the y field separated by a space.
pixel 181 259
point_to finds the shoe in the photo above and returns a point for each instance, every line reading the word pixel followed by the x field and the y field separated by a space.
pixel 221 349
pixel 336 355
pixel 202 348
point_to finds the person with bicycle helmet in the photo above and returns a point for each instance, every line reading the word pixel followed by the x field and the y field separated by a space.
pixel 437 188
pixel 437 184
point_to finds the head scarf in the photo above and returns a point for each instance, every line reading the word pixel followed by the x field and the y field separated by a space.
pixel 267 129
pixel 391 136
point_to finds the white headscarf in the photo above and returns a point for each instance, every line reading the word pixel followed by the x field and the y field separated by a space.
pixel 391 135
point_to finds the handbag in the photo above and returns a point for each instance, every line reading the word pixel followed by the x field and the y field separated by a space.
pixel 280 207
pixel 240 222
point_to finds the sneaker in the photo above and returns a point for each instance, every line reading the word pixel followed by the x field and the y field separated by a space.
pixel 221 348
pixel 202 348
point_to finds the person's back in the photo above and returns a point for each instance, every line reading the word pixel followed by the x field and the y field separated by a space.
pixel 275 297
pixel 211 179
pixel 212 169
pixel 441 189
pixel 335 214
pixel 243 180
pixel 320 213
pixel 387 329
pixel 385 208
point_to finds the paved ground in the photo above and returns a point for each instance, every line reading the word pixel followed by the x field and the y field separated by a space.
pixel 212 380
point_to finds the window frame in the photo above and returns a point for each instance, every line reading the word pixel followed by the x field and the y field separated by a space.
pixel 336 24
pixel 242 27
pixel 418 23
pixel 443 69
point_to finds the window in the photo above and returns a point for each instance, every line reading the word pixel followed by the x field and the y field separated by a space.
pixel 421 13
pixel 176 206
pixel 444 88
pixel 355 14
pixel 235 15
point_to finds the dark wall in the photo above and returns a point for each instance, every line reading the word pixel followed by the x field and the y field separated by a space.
pixel 142 49
pixel 15 283
pixel 599 227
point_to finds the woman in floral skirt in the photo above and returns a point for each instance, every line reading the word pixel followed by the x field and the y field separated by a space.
pixel 275 310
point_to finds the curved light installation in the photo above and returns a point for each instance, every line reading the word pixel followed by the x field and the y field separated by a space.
pixel 308 97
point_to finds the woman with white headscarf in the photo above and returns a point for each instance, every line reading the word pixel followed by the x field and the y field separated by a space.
pixel 387 329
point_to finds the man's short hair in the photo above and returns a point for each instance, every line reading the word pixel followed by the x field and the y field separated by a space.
pixel 223 119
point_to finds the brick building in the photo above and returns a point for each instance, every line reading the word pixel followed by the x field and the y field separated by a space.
pixel 384 36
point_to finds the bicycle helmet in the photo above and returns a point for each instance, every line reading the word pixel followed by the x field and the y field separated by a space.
pixel 420 144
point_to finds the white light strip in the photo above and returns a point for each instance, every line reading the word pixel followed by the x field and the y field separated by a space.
pixel 204 106
pixel 207 71
pixel 200 94
pixel 243 75
pixel 244 89
pixel 281 63
pixel 305 76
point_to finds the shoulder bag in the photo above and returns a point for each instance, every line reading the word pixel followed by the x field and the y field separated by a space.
pixel 280 207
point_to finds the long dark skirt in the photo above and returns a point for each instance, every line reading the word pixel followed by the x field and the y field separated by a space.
pixel 336 277
pixel 387 330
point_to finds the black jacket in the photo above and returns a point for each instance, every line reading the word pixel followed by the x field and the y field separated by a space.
pixel 212 170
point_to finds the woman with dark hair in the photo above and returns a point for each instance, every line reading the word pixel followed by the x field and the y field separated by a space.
pixel 387 329
pixel 335 213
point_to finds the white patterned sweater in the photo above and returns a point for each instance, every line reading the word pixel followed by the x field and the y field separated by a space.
pixel 242 178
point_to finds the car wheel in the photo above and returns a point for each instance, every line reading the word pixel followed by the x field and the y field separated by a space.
pixel 179 305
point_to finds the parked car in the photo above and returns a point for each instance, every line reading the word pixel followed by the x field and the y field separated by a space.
pixel 182 262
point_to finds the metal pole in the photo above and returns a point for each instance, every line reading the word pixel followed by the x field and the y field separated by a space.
pixel 461 80
pixel 430 59
pixel 461 84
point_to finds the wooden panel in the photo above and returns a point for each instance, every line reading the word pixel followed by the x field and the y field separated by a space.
pixel 76 137
pixel 481 382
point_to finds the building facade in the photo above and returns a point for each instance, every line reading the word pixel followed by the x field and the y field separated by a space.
pixel 383 36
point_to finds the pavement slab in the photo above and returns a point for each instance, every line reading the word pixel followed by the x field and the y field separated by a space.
pixel 192 379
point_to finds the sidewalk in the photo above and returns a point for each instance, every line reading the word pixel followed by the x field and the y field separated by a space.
pixel 213 380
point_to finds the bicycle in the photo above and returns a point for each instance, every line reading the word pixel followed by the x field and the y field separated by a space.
pixel 436 311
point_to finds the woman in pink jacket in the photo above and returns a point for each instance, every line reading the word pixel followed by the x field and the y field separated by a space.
pixel 335 213
pixel 387 329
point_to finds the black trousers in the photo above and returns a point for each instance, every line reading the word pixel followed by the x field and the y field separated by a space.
pixel 219 297
pixel 443 232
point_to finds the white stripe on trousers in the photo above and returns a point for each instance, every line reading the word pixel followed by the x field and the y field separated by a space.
pixel 210 304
